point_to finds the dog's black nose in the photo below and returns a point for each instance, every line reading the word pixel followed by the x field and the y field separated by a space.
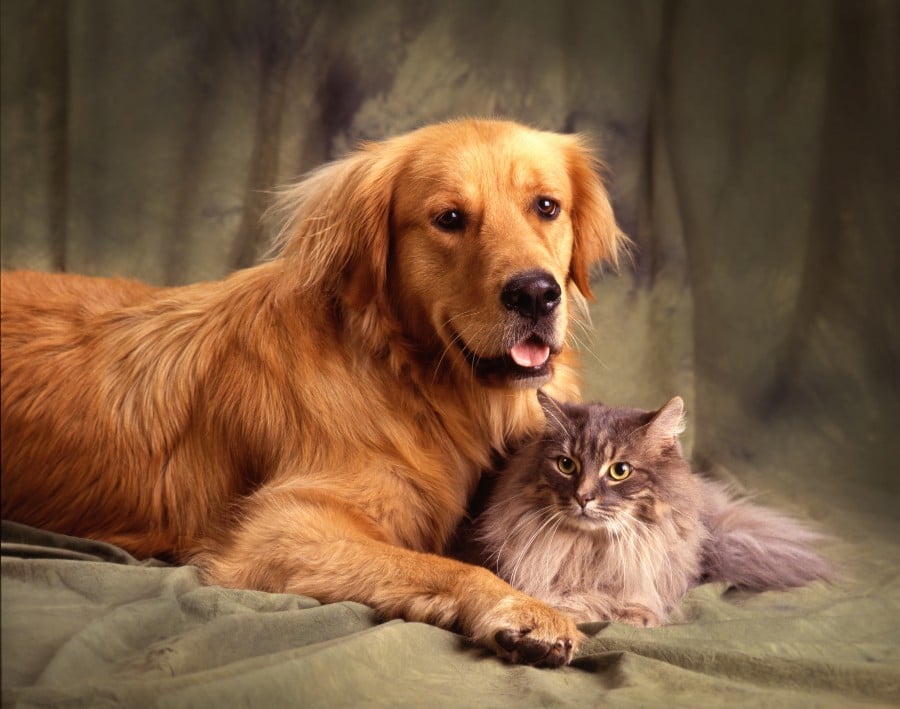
pixel 533 294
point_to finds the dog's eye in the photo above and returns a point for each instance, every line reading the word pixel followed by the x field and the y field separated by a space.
pixel 546 207
pixel 451 220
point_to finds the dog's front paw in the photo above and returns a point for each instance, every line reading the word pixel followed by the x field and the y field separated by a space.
pixel 526 631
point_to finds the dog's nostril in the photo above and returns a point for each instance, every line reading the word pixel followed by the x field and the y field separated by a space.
pixel 534 294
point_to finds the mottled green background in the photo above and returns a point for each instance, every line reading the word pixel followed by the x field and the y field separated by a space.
pixel 753 152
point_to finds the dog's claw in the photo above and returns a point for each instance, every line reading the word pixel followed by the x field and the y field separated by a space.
pixel 523 649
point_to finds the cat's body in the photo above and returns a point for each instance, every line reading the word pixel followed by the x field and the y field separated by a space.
pixel 603 517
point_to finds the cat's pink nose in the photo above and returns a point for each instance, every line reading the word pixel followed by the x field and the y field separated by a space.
pixel 584 497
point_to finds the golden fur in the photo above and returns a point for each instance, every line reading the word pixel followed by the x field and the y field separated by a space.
pixel 316 424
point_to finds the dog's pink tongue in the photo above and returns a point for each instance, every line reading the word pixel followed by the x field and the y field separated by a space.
pixel 529 354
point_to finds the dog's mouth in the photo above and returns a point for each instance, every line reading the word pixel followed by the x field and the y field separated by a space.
pixel 528 362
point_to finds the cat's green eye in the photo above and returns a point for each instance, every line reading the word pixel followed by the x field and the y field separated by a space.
pixel 620 471
pixel 566 465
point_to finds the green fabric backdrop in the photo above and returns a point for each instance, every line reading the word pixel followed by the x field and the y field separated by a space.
pixel 753 152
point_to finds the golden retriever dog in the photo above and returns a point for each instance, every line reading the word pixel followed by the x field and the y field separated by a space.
pixel 316 424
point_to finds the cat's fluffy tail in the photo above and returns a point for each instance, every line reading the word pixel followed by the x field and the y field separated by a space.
pixel 757 548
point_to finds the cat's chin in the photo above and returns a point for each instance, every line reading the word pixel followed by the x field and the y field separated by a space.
pixel 585 521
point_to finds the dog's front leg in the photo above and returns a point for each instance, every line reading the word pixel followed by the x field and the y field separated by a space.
pixel 313 544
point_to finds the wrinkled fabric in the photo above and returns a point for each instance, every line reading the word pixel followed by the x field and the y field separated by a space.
pixel 751 150
pixel 104 629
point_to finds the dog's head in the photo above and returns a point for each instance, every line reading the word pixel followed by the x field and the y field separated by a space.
pixel 465 241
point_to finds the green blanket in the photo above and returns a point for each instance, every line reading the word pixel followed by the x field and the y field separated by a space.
pixel 84 624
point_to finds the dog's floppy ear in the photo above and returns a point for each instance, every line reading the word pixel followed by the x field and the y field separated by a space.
pixel 336 225
pixel 597 237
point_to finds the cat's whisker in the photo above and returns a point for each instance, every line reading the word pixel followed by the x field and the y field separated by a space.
pixel 524 521
pixel 526 547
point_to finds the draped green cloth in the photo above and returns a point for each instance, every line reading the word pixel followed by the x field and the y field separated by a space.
pixel 752 152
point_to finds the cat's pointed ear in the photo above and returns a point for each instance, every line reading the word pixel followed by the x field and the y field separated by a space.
pixel 668 423
pixel 554 412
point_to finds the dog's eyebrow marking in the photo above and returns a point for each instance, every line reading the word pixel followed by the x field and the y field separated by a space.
pixel 539 182
pixel 447 196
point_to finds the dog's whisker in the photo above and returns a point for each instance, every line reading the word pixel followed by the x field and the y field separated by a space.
pixel 457 336
pixel 585 349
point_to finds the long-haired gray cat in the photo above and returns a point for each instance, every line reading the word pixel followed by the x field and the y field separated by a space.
pixel 602 517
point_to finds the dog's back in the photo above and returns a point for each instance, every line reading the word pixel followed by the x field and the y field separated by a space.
pixel 51 386
pixel 63 297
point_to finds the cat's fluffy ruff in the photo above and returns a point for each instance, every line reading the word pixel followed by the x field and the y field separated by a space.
pixel 634 568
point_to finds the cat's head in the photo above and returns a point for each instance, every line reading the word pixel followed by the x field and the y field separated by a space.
pixel 606 467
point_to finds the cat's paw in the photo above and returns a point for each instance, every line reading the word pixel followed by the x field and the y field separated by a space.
pixel 636 614
pixel 526 631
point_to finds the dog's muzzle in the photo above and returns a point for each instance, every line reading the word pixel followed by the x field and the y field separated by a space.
pixel 533 296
